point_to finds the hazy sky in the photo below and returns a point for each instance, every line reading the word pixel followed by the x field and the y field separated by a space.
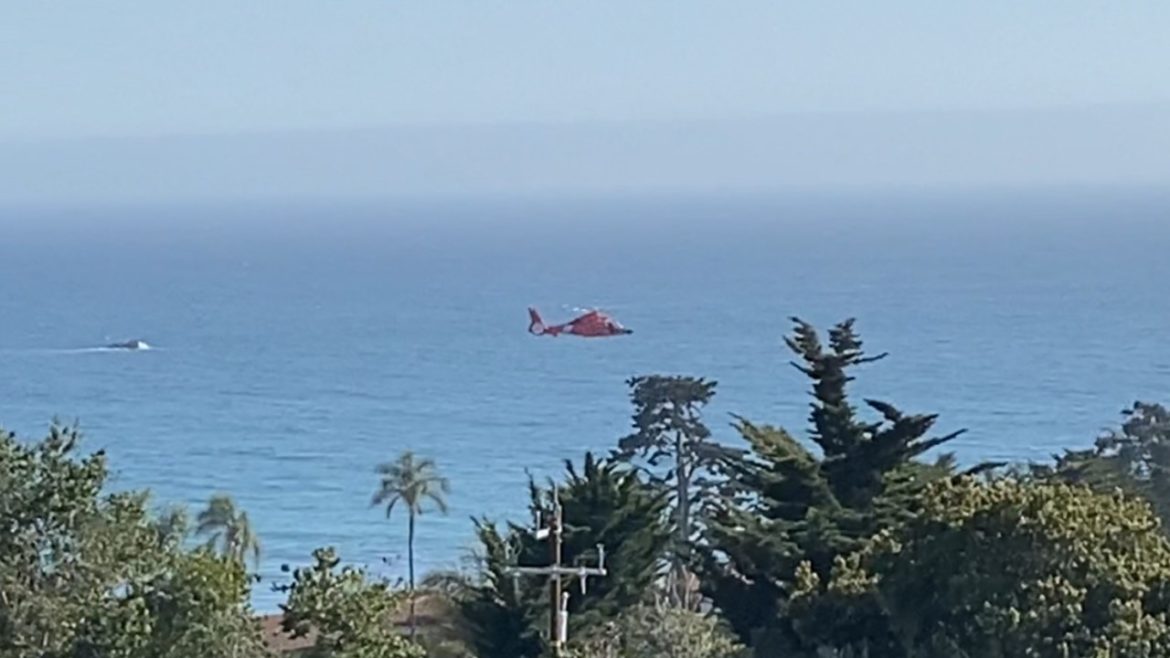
pixel 270 98
pixel 83 68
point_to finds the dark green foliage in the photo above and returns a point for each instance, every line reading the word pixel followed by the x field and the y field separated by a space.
pixel 1005 568
pixel 607 504
pixel 669 431
pixel 1134 458
pixel 786 505
pixel 602 503
pixel 353 616
pixel 504 617
pixel 856 456
pixel 87 574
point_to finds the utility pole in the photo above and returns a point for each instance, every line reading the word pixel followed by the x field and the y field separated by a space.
pixel 558 613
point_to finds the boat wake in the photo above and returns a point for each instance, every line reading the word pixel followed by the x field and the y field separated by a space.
pixel 79 350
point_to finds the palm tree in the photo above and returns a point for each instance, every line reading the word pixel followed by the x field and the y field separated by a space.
pixel 411 481
pixel 229 528
pixel 171 526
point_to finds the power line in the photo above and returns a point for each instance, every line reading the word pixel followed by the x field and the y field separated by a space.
pixel 558 614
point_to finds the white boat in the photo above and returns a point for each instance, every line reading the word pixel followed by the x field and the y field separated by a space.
pixel 130 345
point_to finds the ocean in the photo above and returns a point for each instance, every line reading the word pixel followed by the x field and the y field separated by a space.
pixel 297 345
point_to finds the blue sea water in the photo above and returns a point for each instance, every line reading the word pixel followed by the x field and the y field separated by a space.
pixel 298 345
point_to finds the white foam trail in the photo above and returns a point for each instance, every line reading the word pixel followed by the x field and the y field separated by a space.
pixel 74 350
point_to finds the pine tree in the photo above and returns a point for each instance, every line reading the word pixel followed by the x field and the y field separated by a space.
pixel 502 615
pixel 1134 458
pixel 603 502
pixel 674 447
pixel 785 505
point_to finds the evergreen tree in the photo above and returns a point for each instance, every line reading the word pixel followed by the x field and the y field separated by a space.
pixel 602 503
pixel 669 431
pixel 1004 568
pixel 785 505
pixel 607 504
pixel 1134 458
pixel 503 615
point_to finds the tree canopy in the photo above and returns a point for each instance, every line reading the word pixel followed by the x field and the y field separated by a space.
pixel 783 504
pixel 603 502
pixel 1002 568
pixel 674 448
pixel 354 617
pixel 1134 457
pixel 88 573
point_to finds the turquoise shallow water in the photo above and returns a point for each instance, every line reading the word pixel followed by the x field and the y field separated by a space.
pixel 299 346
